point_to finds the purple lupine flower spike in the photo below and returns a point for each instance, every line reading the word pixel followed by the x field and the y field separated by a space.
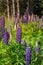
pixel 25 16
pixel 2 24
pixel 28 55
pixel 6 37
pixel 3 21
pixel 37 48
pixel 18 34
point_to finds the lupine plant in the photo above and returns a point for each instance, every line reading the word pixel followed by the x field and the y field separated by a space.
pixel 28 55
pixel 2 22
pixel 6 36
pixel 25 16
pixel 2 26
pixel 18 34
pixel 19 54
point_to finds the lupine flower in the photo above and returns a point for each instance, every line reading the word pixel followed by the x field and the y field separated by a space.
pixel 28 55
pixel 18 34
pixel 23 42
pixel 2 22
pixel 37 48
pixel 2 25
pixel 24 19
pixel 6 37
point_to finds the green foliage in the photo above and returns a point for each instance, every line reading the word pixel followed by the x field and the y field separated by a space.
pixel 14 53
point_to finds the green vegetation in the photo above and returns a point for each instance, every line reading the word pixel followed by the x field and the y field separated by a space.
pixel 14 53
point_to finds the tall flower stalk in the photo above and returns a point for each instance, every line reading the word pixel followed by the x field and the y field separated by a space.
pixel 18 34
pixel 2 25
pixel 5 37
pixel 25 16
pixel 2 22
pixel 28 55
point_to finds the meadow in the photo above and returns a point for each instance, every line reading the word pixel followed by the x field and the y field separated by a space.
pixel 14 53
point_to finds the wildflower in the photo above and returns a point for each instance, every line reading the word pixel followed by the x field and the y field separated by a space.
pixel 2 25
pixel 18 34
pixel 5 37
pixel 25 16
pixel 23 42
pixel 25 19
pixel 3 22
pixel 28 55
